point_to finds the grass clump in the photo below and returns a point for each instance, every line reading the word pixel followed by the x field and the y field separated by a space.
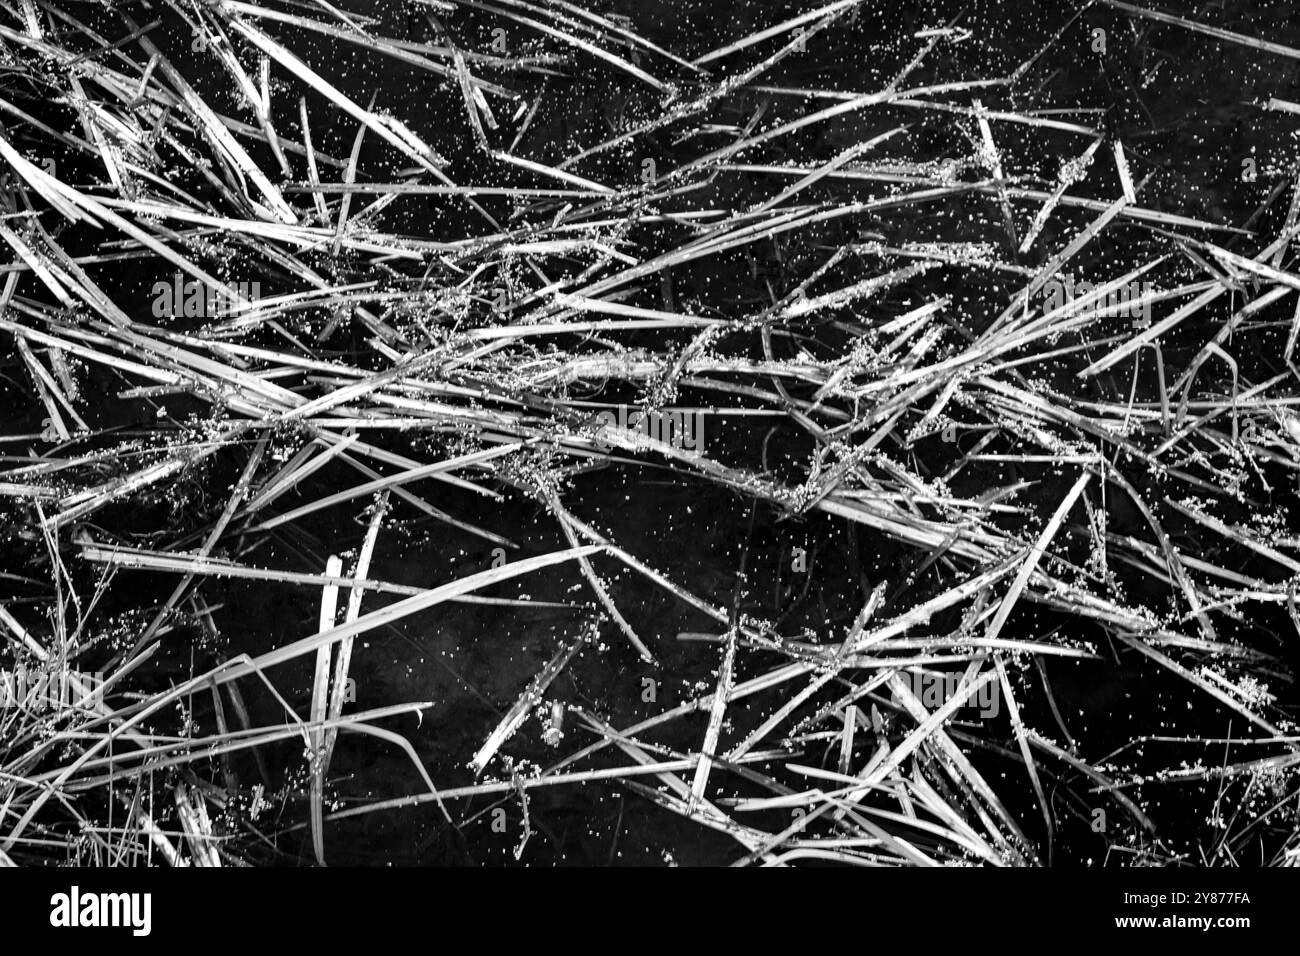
pixel 877 465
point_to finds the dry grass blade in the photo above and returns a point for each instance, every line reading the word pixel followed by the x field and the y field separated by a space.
pixel 320 706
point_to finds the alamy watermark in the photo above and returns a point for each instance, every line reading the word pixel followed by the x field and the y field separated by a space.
pixel 680 429
pixel 198 300
pixel 75 909
pixel 1131 300
pixel 49 688
pixel 935 688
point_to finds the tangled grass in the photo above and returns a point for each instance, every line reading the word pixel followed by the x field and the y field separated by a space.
pixel 249 292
